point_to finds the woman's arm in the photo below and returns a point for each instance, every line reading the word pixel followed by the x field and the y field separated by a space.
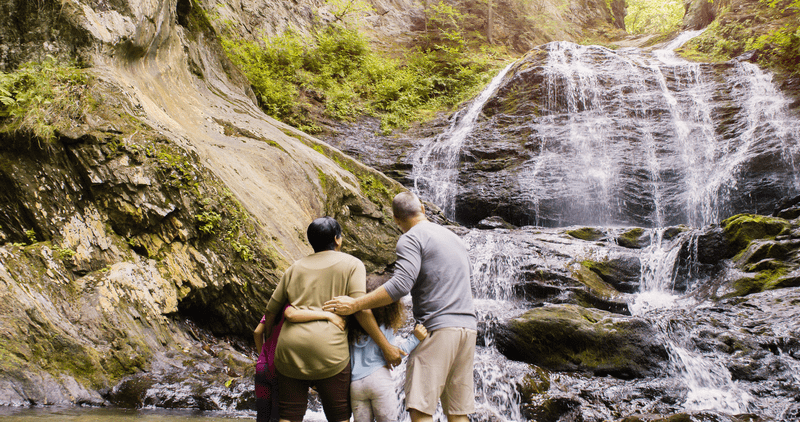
pixel 258 336
pixel 298 315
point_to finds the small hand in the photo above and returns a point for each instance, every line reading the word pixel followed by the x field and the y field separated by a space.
pixel 341 305
pixel 420 332
pixel 337 320
pixel 393 355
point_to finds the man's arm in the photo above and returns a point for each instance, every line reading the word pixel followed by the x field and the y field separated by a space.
pixel 346 305
pixel 392 354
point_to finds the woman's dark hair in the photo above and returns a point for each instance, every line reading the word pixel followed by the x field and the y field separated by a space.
pixel 391 315
pixel 322 234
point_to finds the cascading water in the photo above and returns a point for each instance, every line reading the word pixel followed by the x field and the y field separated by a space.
pixel 436 162
pixel 709 383
pixel 670 166
pixel 588 135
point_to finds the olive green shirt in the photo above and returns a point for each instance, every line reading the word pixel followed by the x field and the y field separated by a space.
pixel 316 349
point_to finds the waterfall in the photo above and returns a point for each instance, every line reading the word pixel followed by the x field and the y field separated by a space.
pixel 435 171
pixel 621 138
pixel 709 384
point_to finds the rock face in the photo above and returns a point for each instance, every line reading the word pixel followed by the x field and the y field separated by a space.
pixel 399 22
pixel 566 139
pixel 700 14
pixel 173 197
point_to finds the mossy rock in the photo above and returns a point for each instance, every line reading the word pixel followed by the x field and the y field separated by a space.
pixel 597 294
pixel 535 382
pixel 771 278
pixel 634 238
pixel 760 250
pixel 742 229
pixel 621 274
pixel 572 338
pixel 590 234
pixel 671 232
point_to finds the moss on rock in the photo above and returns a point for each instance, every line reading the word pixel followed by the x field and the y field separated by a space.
pixel 572 338
pixel 742 229
pixel 593 281
pixel 590 234
pixel 633 238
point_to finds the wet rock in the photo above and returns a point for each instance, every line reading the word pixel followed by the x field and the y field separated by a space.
pixel 741 229
pixel 634 238
pixel 712 246
pixel 692 417
pixel 553 410
pixel 495 222
pixel 621 273
pixel 571 338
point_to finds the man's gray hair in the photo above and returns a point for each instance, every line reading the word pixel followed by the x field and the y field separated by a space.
pixel 406 205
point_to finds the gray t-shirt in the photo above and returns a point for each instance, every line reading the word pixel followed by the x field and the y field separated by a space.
pixel 433 265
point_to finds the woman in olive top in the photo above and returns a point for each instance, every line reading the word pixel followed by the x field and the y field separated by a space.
pixel 316 353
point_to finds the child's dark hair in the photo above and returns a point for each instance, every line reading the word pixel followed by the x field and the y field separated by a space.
pixel 391 315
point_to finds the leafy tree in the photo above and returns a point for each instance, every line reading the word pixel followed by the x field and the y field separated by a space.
pixel 654 16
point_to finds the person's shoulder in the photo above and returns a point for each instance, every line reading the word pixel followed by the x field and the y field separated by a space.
pixel 429 228
pixel 348 259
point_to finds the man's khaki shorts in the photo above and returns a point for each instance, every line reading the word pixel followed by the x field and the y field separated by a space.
pixel 441 367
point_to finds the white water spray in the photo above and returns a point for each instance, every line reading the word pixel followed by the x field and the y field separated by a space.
pixel 435 170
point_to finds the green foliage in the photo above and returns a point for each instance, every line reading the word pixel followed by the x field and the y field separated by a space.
pixel 773 30
pixel 344 9
pixel 209 221
pixel 31 235
pixel 783 5
pixel 242 248
pixel 66 253
pixel 41 97
pixel 336 70
pixel 653 16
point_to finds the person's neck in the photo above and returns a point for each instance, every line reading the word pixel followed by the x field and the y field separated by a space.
pixel 409 224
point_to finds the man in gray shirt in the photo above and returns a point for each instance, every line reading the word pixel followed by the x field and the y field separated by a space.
pixel 433 265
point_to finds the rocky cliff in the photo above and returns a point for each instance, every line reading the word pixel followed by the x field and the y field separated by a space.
pixel 163 212
pixel 517 25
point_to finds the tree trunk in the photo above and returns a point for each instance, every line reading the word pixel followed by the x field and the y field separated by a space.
pixel 490 24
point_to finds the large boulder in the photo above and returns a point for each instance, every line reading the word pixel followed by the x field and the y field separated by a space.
pixel 572 338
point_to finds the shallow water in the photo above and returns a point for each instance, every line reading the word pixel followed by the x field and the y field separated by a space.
pixel 105 414
pixel 78 414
